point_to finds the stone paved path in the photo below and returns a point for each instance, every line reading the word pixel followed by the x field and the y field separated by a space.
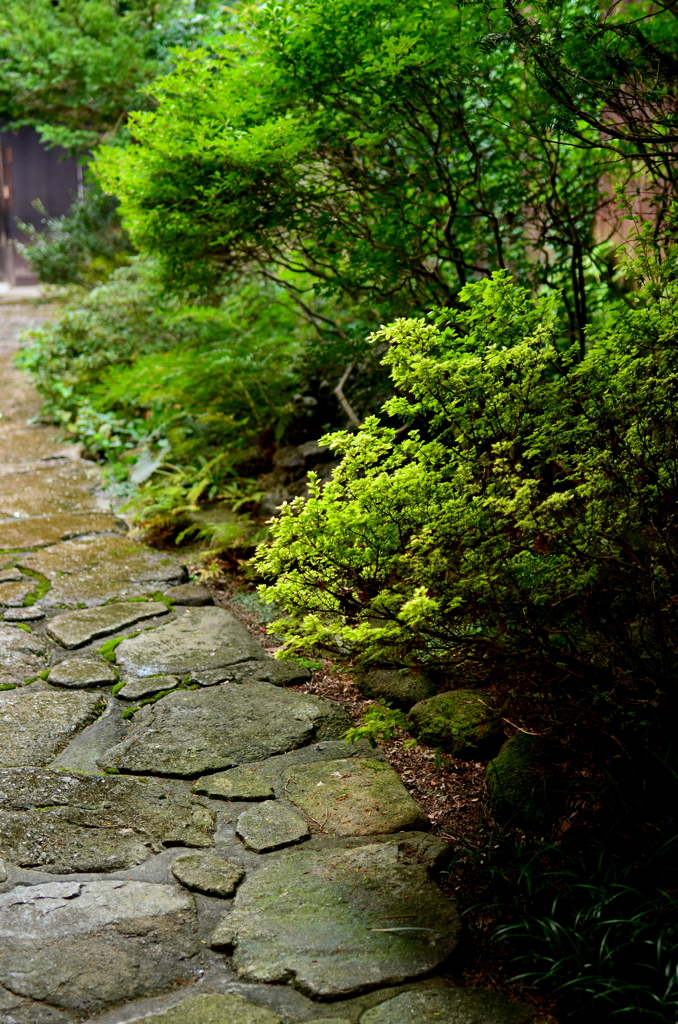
pixel 182 839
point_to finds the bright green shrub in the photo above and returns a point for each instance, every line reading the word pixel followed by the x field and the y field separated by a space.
pixel 527 520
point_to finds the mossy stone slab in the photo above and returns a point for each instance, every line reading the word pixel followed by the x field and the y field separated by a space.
pixel 515 786
pixel 75 629
pixel 463 722
pixel 192 595
pixel 36 724
pixel 31 614
pixel 22 656
pixel 208 874
pixel 190 732
pixel 211 1008
pixel 449 1006
pixel 401 686
pixel 13 595
pixel 40 532
pixel 98 569
pixel 331 922
pixel 83 946
pixel 79 673
pixel 200 638
pixel 265 779
pixel 42 490
pixel 139 689
pixel 270 826
pixel 354 797
pixel 62 822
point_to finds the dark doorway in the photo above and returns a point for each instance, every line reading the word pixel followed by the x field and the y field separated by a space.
pixel 29 171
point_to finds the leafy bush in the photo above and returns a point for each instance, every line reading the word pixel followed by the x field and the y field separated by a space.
pixel 528 519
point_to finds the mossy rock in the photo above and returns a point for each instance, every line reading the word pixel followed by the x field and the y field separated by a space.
pixel 403 687
pixel 462 722
pixel 516 787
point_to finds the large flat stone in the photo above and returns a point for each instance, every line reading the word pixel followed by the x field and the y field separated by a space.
pixel 96 570
pixel 31 614
pixel 189 732
pixel 211 1008
pixel 74 629
pixel 64 823
pixel 83 946
pixel 22 655
pixel 449 1006
pixel 333 922
pixel 354 797
pixel 78 673
pixel 205 873
pixel 269 826
pixel 36 724
pixel 200 638
pixel 41 531
pixel 43 489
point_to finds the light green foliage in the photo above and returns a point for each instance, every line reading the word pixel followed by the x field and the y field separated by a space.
pixel 527 519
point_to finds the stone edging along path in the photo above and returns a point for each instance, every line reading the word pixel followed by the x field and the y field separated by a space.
pixel 182 839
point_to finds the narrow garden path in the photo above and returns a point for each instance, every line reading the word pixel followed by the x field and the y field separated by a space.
pixel 184 840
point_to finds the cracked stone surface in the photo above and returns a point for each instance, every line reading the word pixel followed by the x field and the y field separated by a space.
pixel 323 919
pixel 138 689
pixel 75 629
pixel 201 638
pixel 82 946
pixel 77 673
pixel 269 826
pixel 212 1008
pixel 45 530
pixel 93 571
pixel 193 731
pixel 35 724
pixel 205 873
pixel 354 797
pixel 64 823
pixel 453 1005
pixel 22 655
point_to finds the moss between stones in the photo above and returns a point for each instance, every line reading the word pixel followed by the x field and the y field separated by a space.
pixel 462 722
pixel 43 585
pixel 107 649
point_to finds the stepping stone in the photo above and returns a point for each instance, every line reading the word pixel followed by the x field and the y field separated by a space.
pixel 194 595
pixel 452 1005
pixel 45 530
pixel 11 575
pixel 79 673
pixel 269 826
pixel 211 1008
pixel 82 946
pixel 73 629
pixel 22 655
pixel 64 823
pixel 200 638
pixel 354 797
pixel 97 570
pixel 333 922
pixel 13 595
pixel 36 724
pixel 207 874
pixel 138 689
pixel 266 779
pixel 190 732
pixel 45 489
pixel 281 673
pixel 23 614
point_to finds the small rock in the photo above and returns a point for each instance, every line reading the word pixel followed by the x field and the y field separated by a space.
pixel 137 689
pixel 463 722
pixel 449 1005
pixel 236 784
pixel 22 656
pixel 193 595
pixel 205 873
pixel 281 673
pixel 10 575
pixel 269 826
pixel 333 922
pixel 36 724
pixel 211 1008
pixel 354 797
pixel 201 638
pixel 78 673
pixel 73 629
pixel 223 936
pixel 190 732
pixel 83 946
pixel 516 788
pixel 401 686
pixel 24 614
pixel 13 595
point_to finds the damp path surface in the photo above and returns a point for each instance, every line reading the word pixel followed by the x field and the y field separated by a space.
pixel 183 839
